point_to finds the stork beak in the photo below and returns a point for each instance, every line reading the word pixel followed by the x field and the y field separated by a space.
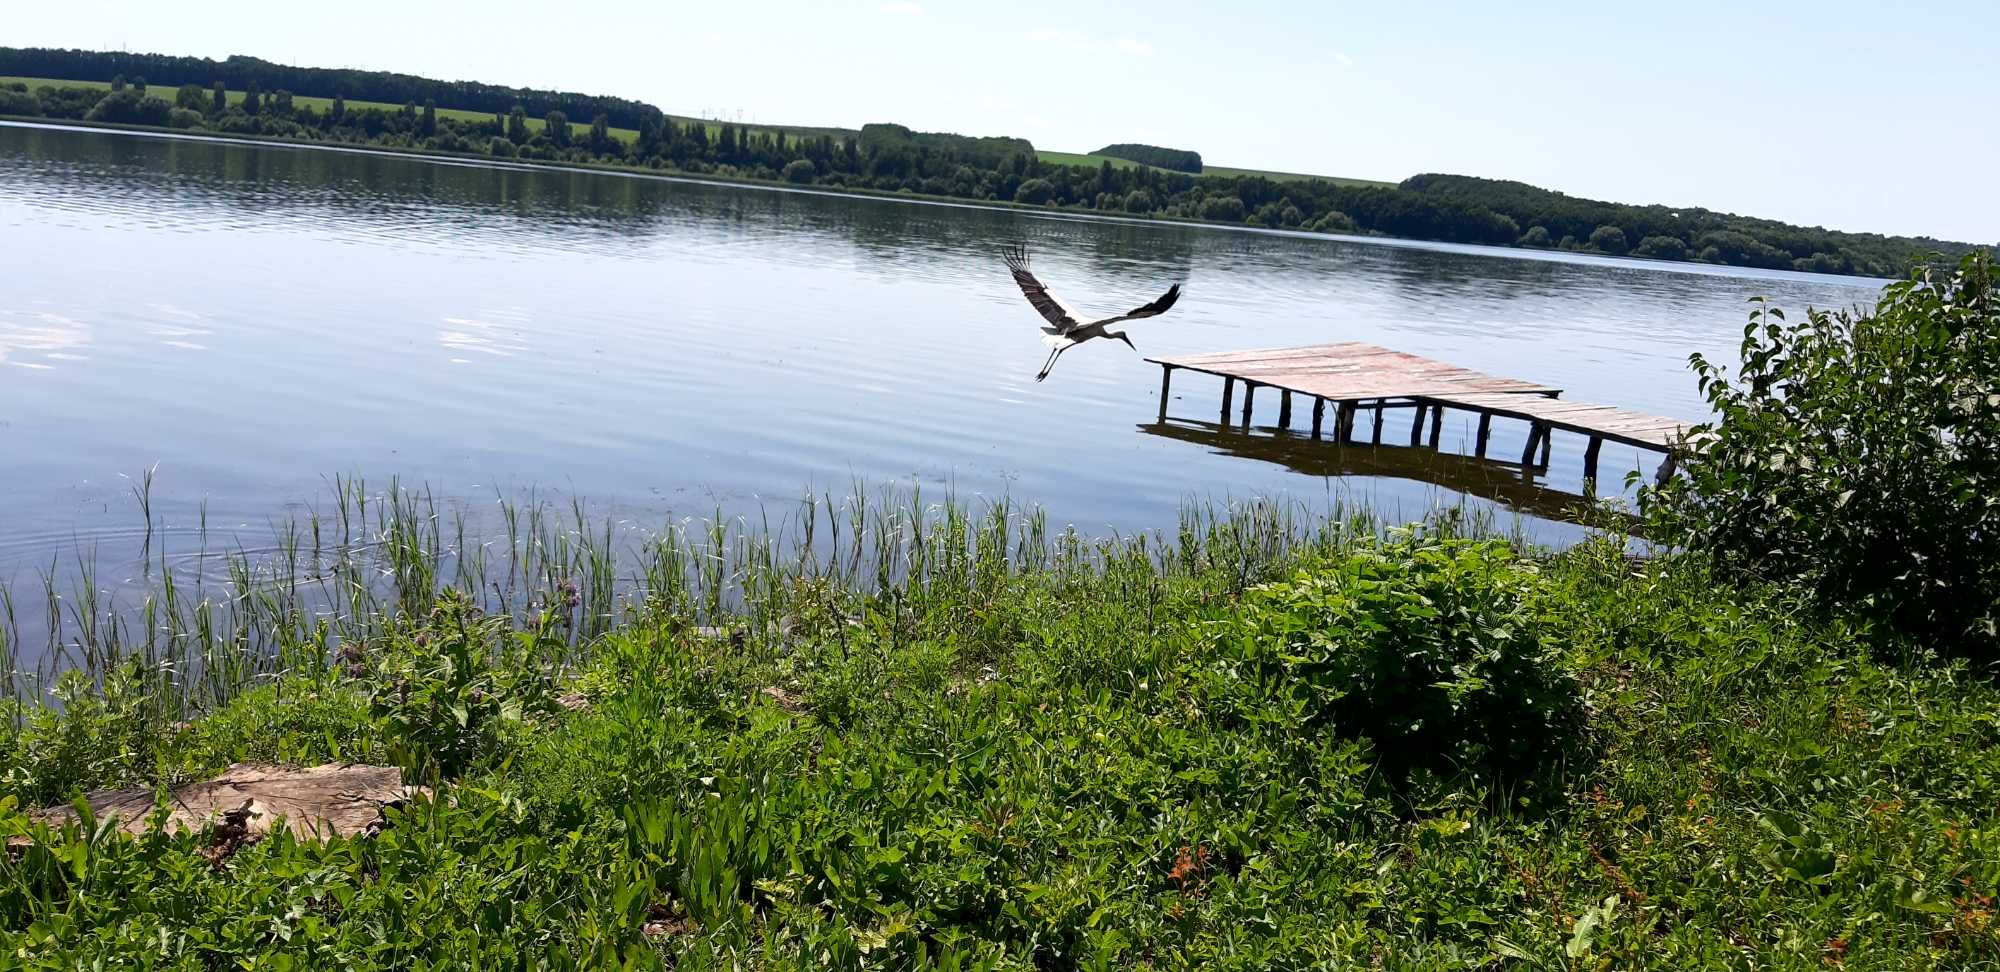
pixel 1128 342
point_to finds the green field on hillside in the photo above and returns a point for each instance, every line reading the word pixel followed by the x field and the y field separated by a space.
pixel 1094 160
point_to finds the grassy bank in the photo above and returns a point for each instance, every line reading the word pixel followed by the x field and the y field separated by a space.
pixel 891 733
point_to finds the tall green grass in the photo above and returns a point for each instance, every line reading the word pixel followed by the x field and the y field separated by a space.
pixel 208 621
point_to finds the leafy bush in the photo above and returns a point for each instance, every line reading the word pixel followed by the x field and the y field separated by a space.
pixel 1662 248
pixel 1860 454
pixel 1430 649
pixel 1228 209
pixel 1609 239
pixel 448 691
pixel 1034 192
pixel 131 107
pixel 799 170
pixel 19 102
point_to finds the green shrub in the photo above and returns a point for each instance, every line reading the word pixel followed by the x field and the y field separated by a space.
pixel 448 692
pixel 96 734
pixel 1034 192
pixel 1430 649
pixel 1860 455
pixel 1608 239
pixel 1662 248
pixel 799 170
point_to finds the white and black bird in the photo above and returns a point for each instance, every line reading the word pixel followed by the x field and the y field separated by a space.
pixel 1063 331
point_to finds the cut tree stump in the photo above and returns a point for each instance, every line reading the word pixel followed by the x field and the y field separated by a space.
pixel 330 800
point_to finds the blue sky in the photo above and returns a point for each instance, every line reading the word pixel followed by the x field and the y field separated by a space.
pixel 1848 115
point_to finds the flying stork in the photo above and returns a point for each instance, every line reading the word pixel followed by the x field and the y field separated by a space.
pixel 1063 331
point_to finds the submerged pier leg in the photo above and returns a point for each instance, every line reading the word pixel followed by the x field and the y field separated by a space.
pixel 1249 392
pixel 1319 415
pixel 1417 425
pixel 1228 389
pixel 1166 381
pixel 1437 423
pixel 1548 436
pixel 1381 406
pixel 1535 433
pixel 1485 434
pixel 1284 408
pixel 1344 425
pixel 1666 470
pixel 1590 465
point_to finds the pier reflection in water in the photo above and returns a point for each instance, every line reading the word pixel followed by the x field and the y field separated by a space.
pixel 1499 481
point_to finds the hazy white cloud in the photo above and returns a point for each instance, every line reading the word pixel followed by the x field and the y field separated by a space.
pixel 1079 41
pixel 1342 57
pixel 1059 38
pixel 903 9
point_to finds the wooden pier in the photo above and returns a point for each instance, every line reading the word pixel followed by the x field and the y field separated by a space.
pixel 1354 377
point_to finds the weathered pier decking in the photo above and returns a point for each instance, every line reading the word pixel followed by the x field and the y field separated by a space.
pixel 1357 377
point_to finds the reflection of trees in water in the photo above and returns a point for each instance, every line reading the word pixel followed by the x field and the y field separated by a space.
pixel 522 206
pixel 1484 478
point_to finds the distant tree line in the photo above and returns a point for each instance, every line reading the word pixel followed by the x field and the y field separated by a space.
pixel 240 73
pixel 1554 220
pixel 1179 160
pixel 894 159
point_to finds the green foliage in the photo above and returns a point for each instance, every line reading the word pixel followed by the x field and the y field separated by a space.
pixel 1178 160
pixel 13 102
pixel 1034 192
pixel 1227 209
pixel 1432 650
pixel 192 97
pixel 1662 248
pixel 799 171
pixel 1608 239
pixel 1333 221
pixel 1536 236
pixel 129 107
pixel 1859 454
pixel 1715 237
pixel 556 127
pixel 450 691
pixel 1013 751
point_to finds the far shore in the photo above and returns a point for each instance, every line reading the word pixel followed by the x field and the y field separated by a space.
pixel 475 160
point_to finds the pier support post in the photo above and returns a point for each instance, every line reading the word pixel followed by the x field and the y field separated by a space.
pixel 1249 392
pixel 1228 389
pixel 1590 463
pixel 1666 470
pixel 1437 423
pixel 1319 415
pixel 1166 381
pixel 1417 426
pixel 1345 424
pixel 1381 406
pixel 1485 434
pixel 1548 436
pixel 1284 408
pixel 1535 433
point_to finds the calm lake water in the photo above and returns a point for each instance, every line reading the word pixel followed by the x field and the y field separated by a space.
pixel 254 320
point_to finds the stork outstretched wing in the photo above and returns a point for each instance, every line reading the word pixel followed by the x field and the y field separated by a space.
pixel 1154 309
pixel 1052 310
